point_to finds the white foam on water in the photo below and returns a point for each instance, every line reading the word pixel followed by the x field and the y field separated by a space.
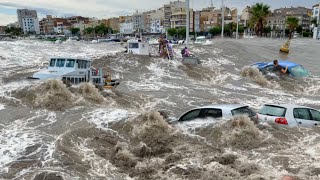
pixel 17 136
pixel 230 86
pixel 101 117
pixel 2 107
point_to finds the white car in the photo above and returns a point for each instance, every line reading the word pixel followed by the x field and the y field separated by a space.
pixel 218 111
pixel 289 115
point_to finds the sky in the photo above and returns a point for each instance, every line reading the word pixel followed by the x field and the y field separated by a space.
pixel 111 8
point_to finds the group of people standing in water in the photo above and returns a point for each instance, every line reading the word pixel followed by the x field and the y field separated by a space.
pixel 166 49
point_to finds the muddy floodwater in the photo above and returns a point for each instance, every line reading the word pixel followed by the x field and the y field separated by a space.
pixel 50 131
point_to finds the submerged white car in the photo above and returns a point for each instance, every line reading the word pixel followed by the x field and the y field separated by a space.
pixel 218 111
pixel 289 115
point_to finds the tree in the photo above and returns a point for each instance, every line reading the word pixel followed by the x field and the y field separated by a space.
pixel 267 30
pixel 292 23
pixel 299 29
pixel 215 30
pixel 182 32
pixel 101 29
pixel 74 30
pixel 314 21
pixel 7 30
pixel 259 13
pixel 241 29
pixel 88 30
pixel 172 31
pixel 13 31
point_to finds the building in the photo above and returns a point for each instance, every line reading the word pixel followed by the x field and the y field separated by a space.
pixel 316 12
pixel 147 20
pixel 126 28
pixel 46 25
pixel 77 19
pixel 114 23
pixel 211 17
pixel 157 21
pixel 245 16
pixel 197 21
pixel 179 17
pixel 168 9
pixel 122 19
pixel 138 21
pixel 30 25
pixel 61 26
pixel 277 21
pixel 23 13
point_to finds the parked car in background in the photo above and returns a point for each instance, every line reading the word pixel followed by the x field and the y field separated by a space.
pixel 218 111
pixel 289 115
pixel 294 69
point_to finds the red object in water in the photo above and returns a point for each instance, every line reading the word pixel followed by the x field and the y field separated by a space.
pixel 281 121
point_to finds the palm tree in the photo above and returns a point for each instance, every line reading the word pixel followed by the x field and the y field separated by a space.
pixel 259 13
pixel 292 23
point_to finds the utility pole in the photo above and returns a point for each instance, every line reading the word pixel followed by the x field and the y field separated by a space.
pixel 222 15
pixel 237 33
pixel 211 3
pixel 188 23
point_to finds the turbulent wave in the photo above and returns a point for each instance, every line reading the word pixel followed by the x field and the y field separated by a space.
pixel 255 75
pixel 55 95
pixel 87 134
pixel 147 147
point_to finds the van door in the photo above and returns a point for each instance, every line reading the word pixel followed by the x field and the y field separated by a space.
pixel 304 118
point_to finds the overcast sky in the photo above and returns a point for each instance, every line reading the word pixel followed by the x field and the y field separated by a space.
pixel 110 8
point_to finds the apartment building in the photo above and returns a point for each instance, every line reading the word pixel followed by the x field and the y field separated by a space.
pixel 23 13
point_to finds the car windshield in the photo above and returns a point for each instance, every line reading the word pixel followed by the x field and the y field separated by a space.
pixel 243 110
pixel 270 110
pixel 299 71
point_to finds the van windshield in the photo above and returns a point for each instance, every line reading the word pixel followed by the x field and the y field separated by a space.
pixel 52 62
pixel 270 110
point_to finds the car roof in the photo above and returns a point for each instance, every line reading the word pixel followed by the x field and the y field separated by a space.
pixel 286 63
pixel 288 105
pixel 224 106
pixel 281 63
pixel 71 58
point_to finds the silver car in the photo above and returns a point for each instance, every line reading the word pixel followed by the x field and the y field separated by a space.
pixel 289 115
pixel 218 111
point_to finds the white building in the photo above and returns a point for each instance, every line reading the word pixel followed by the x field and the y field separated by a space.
pixel 156 21
pixel 316 14
pixel 23 13
pixel 126 28
pixel 30 25
pixel 316 11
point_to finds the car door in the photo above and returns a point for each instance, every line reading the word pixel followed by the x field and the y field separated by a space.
pixel 315 117
pixel 303 117
pixel 193 114
pixel 212 113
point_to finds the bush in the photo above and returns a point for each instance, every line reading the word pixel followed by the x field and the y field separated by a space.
pixel 306 34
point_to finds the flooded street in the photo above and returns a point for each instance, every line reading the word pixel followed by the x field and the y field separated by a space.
pixel 48 130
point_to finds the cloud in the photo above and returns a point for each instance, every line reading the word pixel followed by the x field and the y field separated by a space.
pixel 6 19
